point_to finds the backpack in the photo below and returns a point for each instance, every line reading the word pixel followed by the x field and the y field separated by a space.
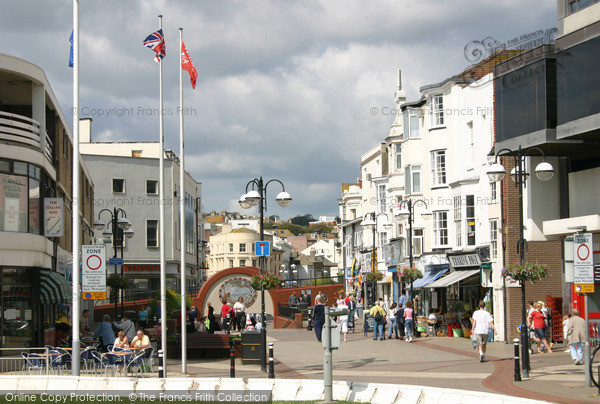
pixel 378 316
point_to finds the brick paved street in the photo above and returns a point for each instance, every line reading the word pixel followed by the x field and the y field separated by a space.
pixel 437 362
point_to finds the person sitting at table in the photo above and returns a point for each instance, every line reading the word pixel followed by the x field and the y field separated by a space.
pixel 141 340
pixel 121 341
pixel 104 333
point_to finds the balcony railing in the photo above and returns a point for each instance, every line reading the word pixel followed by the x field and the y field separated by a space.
pixel 24 130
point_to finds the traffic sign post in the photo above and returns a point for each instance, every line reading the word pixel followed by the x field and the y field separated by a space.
pixel 583 277
pixel 93 272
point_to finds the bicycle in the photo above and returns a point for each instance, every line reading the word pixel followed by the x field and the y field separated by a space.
pixel 594 363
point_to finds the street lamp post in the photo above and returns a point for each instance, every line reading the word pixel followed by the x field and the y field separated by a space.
pixel 120 228
pixel 372 222
pixel 407 208
pixel 544 171
pixel 253 198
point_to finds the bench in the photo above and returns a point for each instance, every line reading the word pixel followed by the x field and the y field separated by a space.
pixel 215 344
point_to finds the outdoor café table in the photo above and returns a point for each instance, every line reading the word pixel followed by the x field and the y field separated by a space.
pixel 127 354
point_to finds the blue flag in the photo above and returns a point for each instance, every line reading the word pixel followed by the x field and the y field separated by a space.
pixel 71 51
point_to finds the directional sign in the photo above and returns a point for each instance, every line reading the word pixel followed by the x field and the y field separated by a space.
pixel 93 295
pixel 93 270
pixel 115 261
pixel 583 259
pixel 53 217
pixel 262 248
pixel 584 288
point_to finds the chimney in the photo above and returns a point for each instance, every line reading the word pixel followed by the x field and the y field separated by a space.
pixel 85 130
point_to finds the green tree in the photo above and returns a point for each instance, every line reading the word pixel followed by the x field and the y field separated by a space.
pixel 303 220
pixel 321 228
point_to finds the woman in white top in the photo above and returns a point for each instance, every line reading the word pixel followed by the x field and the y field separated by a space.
pixel 240 311
pixel 343 320
pixel 121 341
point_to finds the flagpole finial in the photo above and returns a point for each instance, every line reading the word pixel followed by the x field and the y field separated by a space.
pixel 180 28
pixel 160 16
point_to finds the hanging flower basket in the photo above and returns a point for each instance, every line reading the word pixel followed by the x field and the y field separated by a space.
pixel 373 276
pixel 264 282
pixel 525 271
pixel 116 282
pixel 412 274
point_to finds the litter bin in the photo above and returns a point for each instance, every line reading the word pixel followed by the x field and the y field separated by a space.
pixel 251 341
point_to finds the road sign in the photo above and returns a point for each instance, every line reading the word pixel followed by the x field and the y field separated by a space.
pixel 93 269
pixel 583 259
pixel 584 288
pixel 115 261
pixel 53 217
pixel 262 248
pixel 93 295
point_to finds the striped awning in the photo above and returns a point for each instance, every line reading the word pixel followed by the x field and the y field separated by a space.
pixel 54 288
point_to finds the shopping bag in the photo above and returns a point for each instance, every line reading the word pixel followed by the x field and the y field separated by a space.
pixel 474 341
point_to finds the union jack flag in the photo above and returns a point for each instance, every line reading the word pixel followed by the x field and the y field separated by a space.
pixel 156 42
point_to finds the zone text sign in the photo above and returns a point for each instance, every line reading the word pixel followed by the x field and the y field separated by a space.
pixel 583 259
pixel 93 270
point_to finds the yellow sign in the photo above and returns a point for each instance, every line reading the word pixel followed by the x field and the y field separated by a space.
pixel 584 288
pixel 94 295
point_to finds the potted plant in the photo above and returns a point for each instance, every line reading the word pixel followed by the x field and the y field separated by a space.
pixel 525 271
pixel 265 282
pixel 373 276
pixel 117 282
pixel 412 274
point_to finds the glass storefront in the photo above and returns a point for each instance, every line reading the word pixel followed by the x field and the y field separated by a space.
pixel 17 308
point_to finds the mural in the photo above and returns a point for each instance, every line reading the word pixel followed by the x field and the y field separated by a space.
pixel 234 288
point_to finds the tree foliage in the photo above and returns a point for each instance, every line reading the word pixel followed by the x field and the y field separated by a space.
pixel 303 220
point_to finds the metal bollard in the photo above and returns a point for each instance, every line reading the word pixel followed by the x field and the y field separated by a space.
pixel 517 366
pixel 228 324
pixel 232 361
pixel 271 363
pixel 160 364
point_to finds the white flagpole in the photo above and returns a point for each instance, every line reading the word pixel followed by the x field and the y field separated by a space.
pixel 76 234
pixel 182 210
pixel 161 221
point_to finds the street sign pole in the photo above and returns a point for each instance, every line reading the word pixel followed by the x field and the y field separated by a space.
pixel 583 264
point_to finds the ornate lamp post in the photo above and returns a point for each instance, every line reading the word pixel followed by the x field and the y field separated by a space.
pixel 544 171
pixel 258 197
pixel 372 222
pixel 120 227
pixel 407 208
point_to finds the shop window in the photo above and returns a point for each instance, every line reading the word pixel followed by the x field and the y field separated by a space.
pixel 14 197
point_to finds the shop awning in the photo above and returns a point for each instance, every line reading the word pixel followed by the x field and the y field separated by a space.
pixel 54 288
pixel 453 278
pixel 430 276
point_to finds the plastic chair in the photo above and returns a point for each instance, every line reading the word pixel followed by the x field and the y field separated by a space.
pixel 149 358
pixel 106 361
pixel 86 357
pixel 136 360
pixel 59 361
pixel 34 362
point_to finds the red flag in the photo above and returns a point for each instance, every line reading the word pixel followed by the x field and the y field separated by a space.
pixel 186 64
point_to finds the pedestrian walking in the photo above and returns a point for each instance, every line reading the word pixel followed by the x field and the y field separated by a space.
pixel 351 310
pixel 400 320
pixel 408 321
pixel 536 317
pixel 576 336
pixel 343 321
pixel 482 321
pixel 392 321
pixel 143 316
pixel 318 318
pixel 378 314
pixel 225 315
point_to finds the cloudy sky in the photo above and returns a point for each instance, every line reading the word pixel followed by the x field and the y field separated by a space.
pixel 285 89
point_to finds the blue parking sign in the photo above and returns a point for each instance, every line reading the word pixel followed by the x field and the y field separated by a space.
pixel 262 248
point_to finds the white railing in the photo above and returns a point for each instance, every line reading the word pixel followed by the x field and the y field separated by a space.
pixel 24 130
